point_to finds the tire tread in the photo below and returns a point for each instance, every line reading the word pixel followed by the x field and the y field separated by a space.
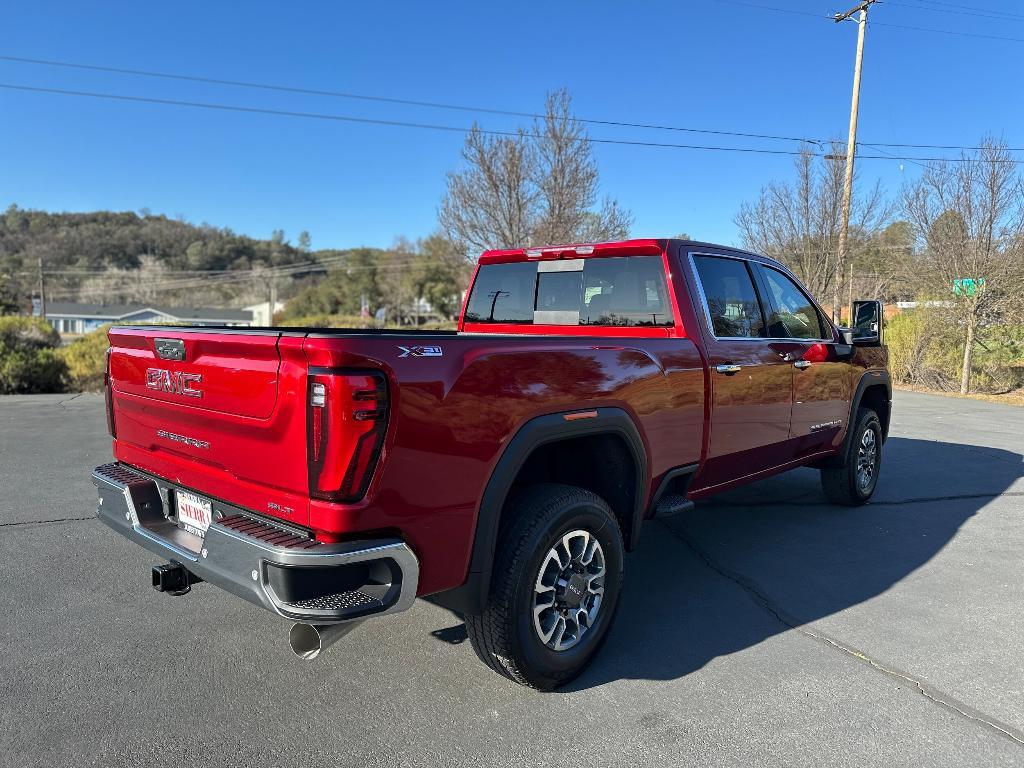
pixel 839 483
pixel 491 632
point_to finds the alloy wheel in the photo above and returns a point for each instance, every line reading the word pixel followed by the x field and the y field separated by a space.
pixel 867 459
pixel 569 590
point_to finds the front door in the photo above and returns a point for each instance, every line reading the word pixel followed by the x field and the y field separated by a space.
pixel 821 370
pixel 751 383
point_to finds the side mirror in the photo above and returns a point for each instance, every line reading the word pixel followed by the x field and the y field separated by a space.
pixel 867 323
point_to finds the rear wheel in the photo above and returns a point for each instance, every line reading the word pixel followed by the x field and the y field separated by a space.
pixel 853 482
pixel 555 587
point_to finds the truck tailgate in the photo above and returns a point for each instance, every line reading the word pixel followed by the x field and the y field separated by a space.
pixel 212 410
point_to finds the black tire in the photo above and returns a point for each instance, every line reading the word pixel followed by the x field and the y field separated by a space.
pixel 504 635
pixel 843 484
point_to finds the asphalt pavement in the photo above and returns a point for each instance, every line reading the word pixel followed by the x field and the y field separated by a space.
pixel 764 628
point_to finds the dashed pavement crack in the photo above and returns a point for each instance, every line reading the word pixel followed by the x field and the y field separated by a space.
pixel 69 399
pixel 928 691
pixel 52 520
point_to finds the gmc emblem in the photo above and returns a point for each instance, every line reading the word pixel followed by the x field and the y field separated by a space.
pixel 175 382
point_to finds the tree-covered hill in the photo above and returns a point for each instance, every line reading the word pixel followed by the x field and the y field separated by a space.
pixel 79 250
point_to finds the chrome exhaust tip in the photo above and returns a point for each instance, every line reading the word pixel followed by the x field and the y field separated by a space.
pixel 307 640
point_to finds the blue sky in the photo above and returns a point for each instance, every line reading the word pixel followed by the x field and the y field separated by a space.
pixel 706 64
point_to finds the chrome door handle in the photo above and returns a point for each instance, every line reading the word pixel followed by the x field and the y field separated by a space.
pixel 801 364
pixel 728 369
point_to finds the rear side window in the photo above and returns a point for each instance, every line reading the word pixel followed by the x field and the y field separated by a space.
pixel 503 293
pixel 619 291
pixel 793 314
pixel 625 292
pixel 732 305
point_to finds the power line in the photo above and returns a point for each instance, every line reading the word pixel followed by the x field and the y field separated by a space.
pixel 887 152
pixel 461 107
pixel 386 99
pixel 371 121
pixel 948 32
pixel 91 272
pixel 930 146
pixel 214 274
pixel 793 12
pixel 436 127
pixel 401 263
pixel 970 10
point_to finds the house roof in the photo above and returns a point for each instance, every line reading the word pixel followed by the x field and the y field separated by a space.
pixel 126 311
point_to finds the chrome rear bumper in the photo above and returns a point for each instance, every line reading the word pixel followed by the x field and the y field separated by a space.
pixel 286 573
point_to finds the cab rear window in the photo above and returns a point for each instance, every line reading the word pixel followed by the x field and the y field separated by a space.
pixel 616 291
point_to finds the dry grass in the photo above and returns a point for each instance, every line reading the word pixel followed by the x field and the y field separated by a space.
pixel 1016 397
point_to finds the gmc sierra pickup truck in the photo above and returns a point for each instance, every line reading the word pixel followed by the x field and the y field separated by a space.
pixel 502 469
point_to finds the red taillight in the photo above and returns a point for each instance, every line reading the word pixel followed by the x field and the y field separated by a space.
pixel 108 395
pixel 347 421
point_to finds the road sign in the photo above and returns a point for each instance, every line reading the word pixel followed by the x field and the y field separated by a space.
pixel 968 286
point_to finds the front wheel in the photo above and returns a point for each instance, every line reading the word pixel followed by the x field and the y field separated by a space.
pixel 556 579
pixel 853 482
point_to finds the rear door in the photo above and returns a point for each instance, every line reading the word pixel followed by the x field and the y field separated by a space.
pixel 821 370
pixel 750 382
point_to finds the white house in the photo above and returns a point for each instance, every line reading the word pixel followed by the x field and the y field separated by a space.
pixel 68 318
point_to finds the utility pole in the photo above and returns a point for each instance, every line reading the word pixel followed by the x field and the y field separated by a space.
pixel 851 149
pixel 273 301
pixel 42 290
pixel 850 304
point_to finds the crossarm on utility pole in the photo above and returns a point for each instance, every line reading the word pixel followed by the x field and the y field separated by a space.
pixel 859 7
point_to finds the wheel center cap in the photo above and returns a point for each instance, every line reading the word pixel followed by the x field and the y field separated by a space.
pixel 575 590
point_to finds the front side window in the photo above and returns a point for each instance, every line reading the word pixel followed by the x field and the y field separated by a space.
pixel 793 314
pixel 614 291
pixel 732 304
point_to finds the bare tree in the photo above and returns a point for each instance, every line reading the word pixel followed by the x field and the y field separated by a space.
pixel 537 187
pixel 127 285
pixel 968 220
pixel 798 222
pixel 493 200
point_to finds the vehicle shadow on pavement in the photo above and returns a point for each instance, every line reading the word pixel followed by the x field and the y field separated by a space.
pixel 753 562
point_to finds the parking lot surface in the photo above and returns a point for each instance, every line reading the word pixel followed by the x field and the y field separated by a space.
pixel 764 628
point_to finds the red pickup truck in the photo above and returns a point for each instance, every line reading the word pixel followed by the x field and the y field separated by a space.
pixel 503 469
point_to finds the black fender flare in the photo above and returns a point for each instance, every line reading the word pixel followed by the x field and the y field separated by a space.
pixel 873 378
pixel 471 596
pixel 870 378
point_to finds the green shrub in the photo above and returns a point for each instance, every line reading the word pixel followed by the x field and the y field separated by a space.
pixel 325 321
pixel 926 348
pixel 907 342
pixel 85 358
pixel 29 359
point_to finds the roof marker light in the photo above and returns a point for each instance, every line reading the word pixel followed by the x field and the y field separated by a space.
pixel 580 415
pixel 533 253
pixel 583 250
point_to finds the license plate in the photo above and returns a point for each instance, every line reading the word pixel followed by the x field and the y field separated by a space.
pixel 194 513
